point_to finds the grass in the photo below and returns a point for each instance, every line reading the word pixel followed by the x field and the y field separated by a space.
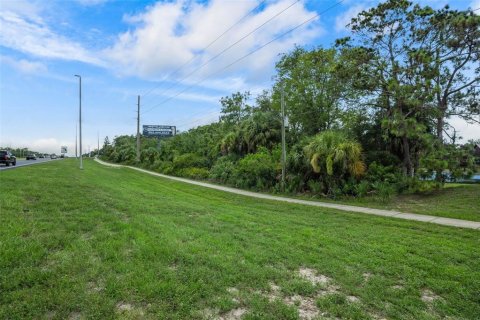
pixel 115 243
pixel 455 200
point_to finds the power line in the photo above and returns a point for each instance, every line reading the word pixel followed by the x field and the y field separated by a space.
pixel 245 56
pixel 230 46
pixel 208 46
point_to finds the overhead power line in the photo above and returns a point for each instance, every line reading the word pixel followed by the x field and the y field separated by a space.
pixel 229 47
pixel 245 56
pixel 208 46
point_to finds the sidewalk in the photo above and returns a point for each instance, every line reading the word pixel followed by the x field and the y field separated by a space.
pixel 378 212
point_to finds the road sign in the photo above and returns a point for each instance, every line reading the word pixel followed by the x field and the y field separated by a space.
pixel 159 131
pixel 63 149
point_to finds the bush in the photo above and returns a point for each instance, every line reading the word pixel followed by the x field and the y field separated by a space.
pixel 256 170
pixel 362 189
pixel 315 186
pixel 189 160
pixel 193 173
pixel 385 191
pixel 149 156
pixel 223 170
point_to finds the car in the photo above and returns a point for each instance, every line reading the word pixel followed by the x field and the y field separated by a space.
pixel 41 155
pixel 8 158
pixel 53 156
pixel 31 156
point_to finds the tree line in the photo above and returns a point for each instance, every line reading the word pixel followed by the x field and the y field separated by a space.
pixel 370 114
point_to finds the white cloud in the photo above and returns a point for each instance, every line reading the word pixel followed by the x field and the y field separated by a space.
pixel 342 20
pixel 24 30
pixel 24 66
pixel 468 131
pixel 167 35
pixel 475 4
pixel 43 145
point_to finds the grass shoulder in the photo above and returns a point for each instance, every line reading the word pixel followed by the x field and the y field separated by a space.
pixel 114 243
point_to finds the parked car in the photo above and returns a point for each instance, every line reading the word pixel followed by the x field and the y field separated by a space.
pixel 53 156
pixel 41 155
pixel 31 156
pixel 8 158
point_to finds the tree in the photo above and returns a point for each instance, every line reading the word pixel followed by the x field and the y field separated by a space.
pixel 396 73
pixel 235 108
pixel 313 92
pixel 454 39
pixel 333 155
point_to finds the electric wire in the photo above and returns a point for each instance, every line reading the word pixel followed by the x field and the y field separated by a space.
pixel 245 56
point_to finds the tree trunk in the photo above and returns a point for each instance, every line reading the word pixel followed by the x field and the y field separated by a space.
pixel 407 159
pixel 440 125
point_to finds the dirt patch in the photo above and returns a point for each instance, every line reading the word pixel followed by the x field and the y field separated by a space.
pixel 232 290
pixel 234 314
pixel 274 293
pixel 366 276
pixel 95 287
pixel 397 287
pixel 353 299
pixel 429 296
pixel 312 276
pixel 75 316
pixel 307 307
pixel 129 309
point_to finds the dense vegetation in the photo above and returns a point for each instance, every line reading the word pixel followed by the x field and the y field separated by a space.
pixel 367 116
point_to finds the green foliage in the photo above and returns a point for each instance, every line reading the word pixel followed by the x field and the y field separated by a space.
pixel 223 170
pixel 193 173
pixel 188 160
pixel 335 157
pixel 257 170
pixel 391 88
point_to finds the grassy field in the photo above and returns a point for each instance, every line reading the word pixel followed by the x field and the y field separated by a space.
pixel 459 201
pixel 108 243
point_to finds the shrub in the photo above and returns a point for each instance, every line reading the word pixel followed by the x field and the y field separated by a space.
pixel 362 188
pixel 193 173
pixel 189 160
pixel 223 170
pixel 149 156
pixel 256 170
pixel 384 190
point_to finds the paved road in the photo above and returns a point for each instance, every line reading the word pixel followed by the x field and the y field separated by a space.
pixel 22 163
pixel 378 212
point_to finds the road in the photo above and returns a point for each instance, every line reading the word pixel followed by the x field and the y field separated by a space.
pixel 22 163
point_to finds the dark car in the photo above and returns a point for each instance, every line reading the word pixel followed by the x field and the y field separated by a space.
pixel 32 156
pixel 8 158
pixel 41 155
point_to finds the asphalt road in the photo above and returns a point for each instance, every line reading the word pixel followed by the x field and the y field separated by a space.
pixel 22 163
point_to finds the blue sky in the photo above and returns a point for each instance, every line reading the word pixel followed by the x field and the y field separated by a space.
pixel 127 48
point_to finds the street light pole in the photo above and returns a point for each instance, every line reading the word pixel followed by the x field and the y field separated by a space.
pixel 80 119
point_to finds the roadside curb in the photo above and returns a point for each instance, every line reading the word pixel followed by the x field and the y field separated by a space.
pixel 459 223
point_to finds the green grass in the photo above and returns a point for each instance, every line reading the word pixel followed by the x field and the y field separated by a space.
pixel 108 243
pixel 459 201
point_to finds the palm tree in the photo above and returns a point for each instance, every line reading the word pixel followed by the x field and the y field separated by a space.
pixel 334 153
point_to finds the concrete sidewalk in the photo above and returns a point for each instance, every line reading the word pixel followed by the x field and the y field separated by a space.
pixel 378 212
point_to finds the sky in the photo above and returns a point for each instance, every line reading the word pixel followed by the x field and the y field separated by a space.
pixel 181 57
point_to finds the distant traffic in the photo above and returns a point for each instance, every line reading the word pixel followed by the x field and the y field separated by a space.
pixel 9 161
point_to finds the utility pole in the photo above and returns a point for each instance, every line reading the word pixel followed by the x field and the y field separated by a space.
pixel 76 139
pixel 284 152
pixel 98 144
pixel 138 130
pixel 80 118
